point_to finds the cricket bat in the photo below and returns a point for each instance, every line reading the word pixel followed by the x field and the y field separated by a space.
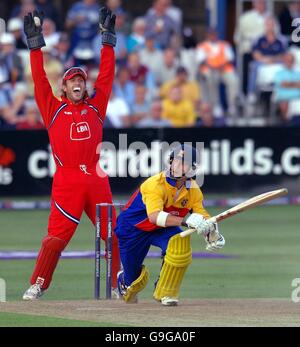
pixel 246 205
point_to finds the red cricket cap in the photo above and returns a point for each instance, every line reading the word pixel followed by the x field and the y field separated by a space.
pixel 73 71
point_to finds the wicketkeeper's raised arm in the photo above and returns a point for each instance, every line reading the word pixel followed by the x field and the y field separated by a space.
pixel 45 99
pixel 104 82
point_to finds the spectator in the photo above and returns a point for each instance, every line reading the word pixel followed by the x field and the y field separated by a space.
pixel 179 111
pixel 154 117
pixel 7 118
pixel 160 24
pixel 286 17
pixel 11 67
pixel 22 9
pixel 141 106
pixel 190 89
pixel 2 26
pixel 123 86
pixel 174 12
pixel 166 70
pixel 116 7
pixel 136 40
pixel 83 22
pixel 53 68
pixel 267 54
pixel 62 51
pixel 117 114
pixel 150 56
pixel 205 116
pixel 250 27
pixel 139 73
pixel 51 36
pixel 287 85
pixel 215 59
pixel 50 11
pixel 31 119
pixel 15 27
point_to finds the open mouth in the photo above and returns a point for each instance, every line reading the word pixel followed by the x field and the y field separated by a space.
pixel 77 91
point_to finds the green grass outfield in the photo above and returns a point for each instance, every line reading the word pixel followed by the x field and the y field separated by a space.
pixel 266 241
pixel 28 320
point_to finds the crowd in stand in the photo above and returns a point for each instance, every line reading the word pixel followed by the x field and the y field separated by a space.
pixel 164 77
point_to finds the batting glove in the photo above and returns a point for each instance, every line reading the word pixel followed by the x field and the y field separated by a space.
pixel 198 222
pixel 216 243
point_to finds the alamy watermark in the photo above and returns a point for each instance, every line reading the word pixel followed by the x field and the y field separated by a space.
pixel 296 32
pixel 138 160
pixel 296 292
pixel 2 290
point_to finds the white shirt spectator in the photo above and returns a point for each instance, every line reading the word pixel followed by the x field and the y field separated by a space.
pixel 250 27
pixel 117 109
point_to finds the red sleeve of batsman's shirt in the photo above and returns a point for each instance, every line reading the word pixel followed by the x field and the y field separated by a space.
pixel 46 101
pixel 104 82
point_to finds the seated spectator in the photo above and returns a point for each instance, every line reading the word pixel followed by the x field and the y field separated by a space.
pixel 10 63
pixel 50 11
pixel 154 117
pixel 166 70
pixel 141 105
pixel 174 12
pixel 151 56
pixel 51 36
pixel 22 9
pixel 250 27
pixel 139 73
pixel 123 86
pixel 2 26
pixel 7 118
pixel 116 7
pixel 215 59
pixel 31 119
pixel 190 89
pixel 117 114
pixel 205 116
pixel 287 85
pixel 286 17
pixel 54 70
pixel 120 49
pixel 136 40
pixel 267 54
pixel 179 111
pixel 15 27
pixel 160 24
pixel 62 51
pixel 12 99
pixel 83 22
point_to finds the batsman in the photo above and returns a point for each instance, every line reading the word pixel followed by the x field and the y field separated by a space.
pixel 74 123
pixel 153 216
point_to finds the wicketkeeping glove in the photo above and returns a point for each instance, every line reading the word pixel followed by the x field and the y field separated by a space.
pixel 107 27
pixel 33 30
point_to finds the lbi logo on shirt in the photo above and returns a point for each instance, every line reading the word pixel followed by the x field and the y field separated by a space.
pixel 80 131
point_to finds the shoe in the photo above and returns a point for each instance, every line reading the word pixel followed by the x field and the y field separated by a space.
pixel 122 289
pixel 115 294
pixel 168 301
pixel 33 292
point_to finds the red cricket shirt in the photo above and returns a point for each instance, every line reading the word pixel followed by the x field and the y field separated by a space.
pixel 74 130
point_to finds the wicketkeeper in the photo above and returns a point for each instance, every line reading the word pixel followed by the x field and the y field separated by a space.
pixel 153 216
pixel 74 123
